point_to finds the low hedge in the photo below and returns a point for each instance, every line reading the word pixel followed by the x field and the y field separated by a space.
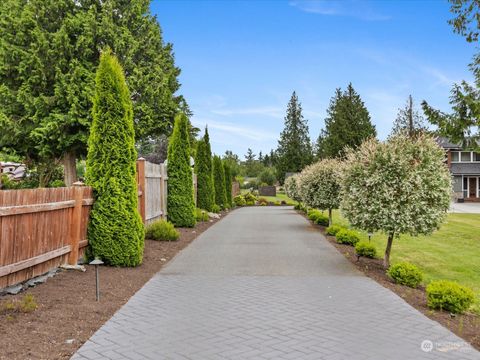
pixel 334 229
pixel 365 249
pixel 449 296
pixel 317 217
pixel 347 237
pixel 161 230
pixel 405 273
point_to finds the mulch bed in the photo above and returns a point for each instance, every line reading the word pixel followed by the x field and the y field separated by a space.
pixel 67 308
pixel 466 326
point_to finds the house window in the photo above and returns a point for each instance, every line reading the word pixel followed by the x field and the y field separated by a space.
pixel 466 156
pixel 476 156
pixel 455 156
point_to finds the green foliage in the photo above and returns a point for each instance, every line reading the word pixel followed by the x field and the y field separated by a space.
pixel 239 200
pixel 291 188
pixel 180 199
pixel 409 121
pixel 317 217
pixel 405 273
pixel 267 176
pixel 449 296
pixel 347 237
pixel 250 198
pixel 115 230
pixel 201 215
pixel 162 230
pixel 294 150
pixel 56 183
pixel 333 229
pixel 219 182
pixel 216 209
pixel 262 202
pixel 228 184
pixel 300 207
pixel 49 53
pixel 365 249
pixel 203 169
pixel 347 124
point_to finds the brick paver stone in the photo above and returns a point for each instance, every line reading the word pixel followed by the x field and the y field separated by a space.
pixel 263 284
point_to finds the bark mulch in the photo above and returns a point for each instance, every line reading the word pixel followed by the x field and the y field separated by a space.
pixel 466 326
pixel 68 314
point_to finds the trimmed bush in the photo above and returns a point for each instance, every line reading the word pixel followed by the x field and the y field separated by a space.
pixel 449 296
pixel 219 182
pixel 180 199
pixel 201 215
pixel 239 200
pixel 115 230
pixel 347 237
pixel 250 198
pixel 162 230
pixel 262 202
pixel 405 273
pixel 317 217
pixel 365 249
pixel 333 229
pixel 216 209
pixel 203 169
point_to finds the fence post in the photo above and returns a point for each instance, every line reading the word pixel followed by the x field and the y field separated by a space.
pixel 76 223
pixel 141 187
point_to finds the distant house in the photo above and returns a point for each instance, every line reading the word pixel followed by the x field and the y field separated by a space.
pixel 465 168
pixel 15 171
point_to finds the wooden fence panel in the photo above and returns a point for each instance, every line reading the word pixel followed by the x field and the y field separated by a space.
pixel 153 196
pixel 35 230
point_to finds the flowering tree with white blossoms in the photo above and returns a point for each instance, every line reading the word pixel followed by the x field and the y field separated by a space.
pixel 401 186
pixel 319 185
pixel 291 188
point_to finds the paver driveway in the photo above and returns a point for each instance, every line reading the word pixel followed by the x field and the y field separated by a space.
pixel 263 284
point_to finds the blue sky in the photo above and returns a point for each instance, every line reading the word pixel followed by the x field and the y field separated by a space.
pixel 241 61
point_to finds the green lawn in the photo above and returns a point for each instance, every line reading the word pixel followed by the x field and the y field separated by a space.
pixel 451 253
pixel 280 197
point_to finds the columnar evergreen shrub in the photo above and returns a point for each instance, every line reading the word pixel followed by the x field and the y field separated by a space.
pixel 115 230
pixel 203 169
pixel 219 182
pixel 228 183
pixel 180 199
pixel 449 296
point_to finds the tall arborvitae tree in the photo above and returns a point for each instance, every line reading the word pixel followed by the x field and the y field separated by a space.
pixel 294 148
pixel 347 124
pixel 228 183
pixel 180 199
pixel 409 121
pixel 203 169
pixel 49 52
pixel 219 181
pixel 115 230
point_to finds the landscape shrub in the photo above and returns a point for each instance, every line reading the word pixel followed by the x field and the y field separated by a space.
pixel 239 200
pixel 321 219
pixel 219 182
pixel 300 206
pixel 162 230
pixel 228 184
pixel 201 215
pixel 333 229
pixel 203 169
pixel 250 198
pixel 365 249
pixel 267 177
pixel 347 237
pixel 262 202
pixel 449 296
pixel 216 209
pixel 405 273
pixel 312 214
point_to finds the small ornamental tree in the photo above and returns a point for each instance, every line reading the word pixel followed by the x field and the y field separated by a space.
pixel 219 181
pixel 399 187
pixel 180 199
pixel 319 185
pixel 115 230
pixel 228 183
pixel 203 169
pixel 291 188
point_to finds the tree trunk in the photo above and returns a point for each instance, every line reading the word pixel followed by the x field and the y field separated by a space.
pixel 329 217
pixel 69 168
pixel 386 259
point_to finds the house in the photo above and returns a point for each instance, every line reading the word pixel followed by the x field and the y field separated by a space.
pixel 465 168
pixel 15 171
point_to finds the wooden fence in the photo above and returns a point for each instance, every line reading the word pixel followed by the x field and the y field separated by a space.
pixel 152 190
pixel 41 229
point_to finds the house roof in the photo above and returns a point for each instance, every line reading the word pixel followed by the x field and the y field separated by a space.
pixel 447 144
pixel 465 168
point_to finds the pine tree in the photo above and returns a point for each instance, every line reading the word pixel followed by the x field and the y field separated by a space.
pixel 203 169
pixel 294 148
pixel 347 123
pixel 115 230
pixel 409 121
pixel 219 181
pixel 228 183
pixel 180 199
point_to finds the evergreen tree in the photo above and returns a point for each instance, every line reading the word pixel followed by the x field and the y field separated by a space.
pixel 115 230
pixel 203 169
pixel 250 157
pixel 347 123
pixel 294 148
pixel 233 162
pixel 180 199
pixel 409 121
pixel 219 181
pixel 228 184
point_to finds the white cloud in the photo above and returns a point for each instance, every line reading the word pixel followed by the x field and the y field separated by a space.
pixel 271 111
pixel 242 131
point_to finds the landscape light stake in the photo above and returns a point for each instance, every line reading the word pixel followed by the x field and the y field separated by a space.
pixel 369 236
pixel 97 262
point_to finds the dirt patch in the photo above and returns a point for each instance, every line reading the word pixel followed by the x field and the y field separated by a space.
pixel 67 308
pixel 466 326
